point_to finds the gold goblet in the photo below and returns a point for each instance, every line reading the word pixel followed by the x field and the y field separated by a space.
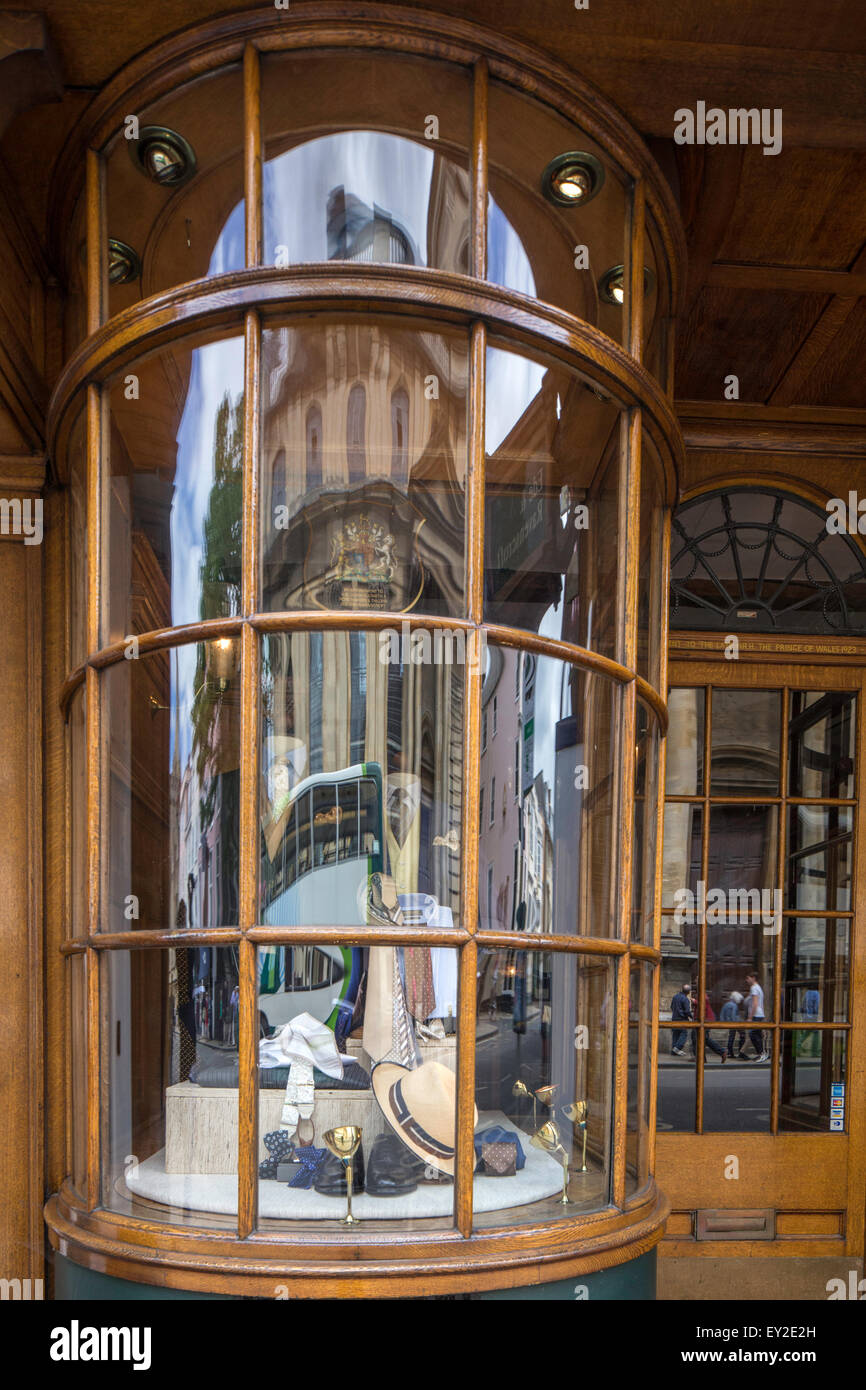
pixel 520 1089
pixel 577 1112
pixel 549 1141
pixel 343 1143
pixel 547 1095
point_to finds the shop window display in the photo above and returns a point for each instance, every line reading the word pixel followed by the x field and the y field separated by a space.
pixel 365 766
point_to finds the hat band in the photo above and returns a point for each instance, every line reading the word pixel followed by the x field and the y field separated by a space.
pixel 412 1128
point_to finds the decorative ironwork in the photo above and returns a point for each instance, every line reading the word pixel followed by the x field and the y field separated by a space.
pixel 749 560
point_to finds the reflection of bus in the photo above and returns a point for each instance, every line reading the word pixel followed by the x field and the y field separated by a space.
pixel 330 842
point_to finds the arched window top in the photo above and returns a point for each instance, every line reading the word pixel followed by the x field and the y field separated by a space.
pixel 750 560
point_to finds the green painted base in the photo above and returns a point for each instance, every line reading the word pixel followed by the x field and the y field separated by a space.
pixel 634 1280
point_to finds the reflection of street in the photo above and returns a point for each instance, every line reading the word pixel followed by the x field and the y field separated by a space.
pixel 735 1098
pixel 502 1056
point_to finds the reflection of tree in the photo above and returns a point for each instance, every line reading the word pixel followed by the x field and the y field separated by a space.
pixel 221 563
pixel 214 707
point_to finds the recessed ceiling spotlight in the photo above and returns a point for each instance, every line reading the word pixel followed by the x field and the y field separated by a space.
pixel 611 286
pixel 123 263
pixel 163 155
pixel 572 179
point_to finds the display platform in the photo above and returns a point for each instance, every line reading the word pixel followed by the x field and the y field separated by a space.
pixel 210 1192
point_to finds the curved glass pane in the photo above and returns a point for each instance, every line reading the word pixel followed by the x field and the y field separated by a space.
pixel 78 924
pixel 78 542
pixel 540 247
pixel 646 786
pixel 650 587
pixel 549 773
pixel 551 526
pixel 171 1016
pixel 543 1070
pixel 364 431
pixel 176 488
pixel 366 159
pixel 362 757
pixel 171 787
pixel 76 986
pixel 194 227
pixel 639 1088
pixel 380 1024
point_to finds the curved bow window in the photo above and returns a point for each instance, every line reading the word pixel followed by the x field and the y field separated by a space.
pixel 749 560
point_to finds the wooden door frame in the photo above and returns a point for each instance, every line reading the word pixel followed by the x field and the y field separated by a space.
pixel 835 1163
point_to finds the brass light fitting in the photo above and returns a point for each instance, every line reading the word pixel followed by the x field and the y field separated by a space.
pixel 611 286
pixel 163 155
pixel 572 179
pixel 124 264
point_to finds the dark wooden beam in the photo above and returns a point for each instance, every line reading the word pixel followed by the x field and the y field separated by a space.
pixel 742 427
pixel 787 279
pixel 816 343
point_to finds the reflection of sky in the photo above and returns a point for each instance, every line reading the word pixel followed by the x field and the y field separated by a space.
pixel 230 251
pixel 215 369
pixel 382 170
pixel 507 262
pixel 548 688
pixel 513 382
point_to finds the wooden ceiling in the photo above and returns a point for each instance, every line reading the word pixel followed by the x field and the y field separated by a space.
pixel 776 290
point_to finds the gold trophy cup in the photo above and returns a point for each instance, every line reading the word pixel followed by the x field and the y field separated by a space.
pixel 548 1140
pixel 547 1095
pixel 343 1143
pixel 576 1112
pixel 519 1089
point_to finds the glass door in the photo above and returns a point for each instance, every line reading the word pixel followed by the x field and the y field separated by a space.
pixel 758 1038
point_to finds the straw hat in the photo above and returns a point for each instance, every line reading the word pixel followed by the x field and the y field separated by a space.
pixel 420 1106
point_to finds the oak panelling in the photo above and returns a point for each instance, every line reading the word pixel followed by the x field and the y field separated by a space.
pixel 797 208
pixel 693 1173
pixel 804 58
pixel 838 378
pixel 753 336
pixel 778 433
pixel 21 1008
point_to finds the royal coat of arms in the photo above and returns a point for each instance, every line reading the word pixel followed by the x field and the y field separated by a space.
pixel 365 564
